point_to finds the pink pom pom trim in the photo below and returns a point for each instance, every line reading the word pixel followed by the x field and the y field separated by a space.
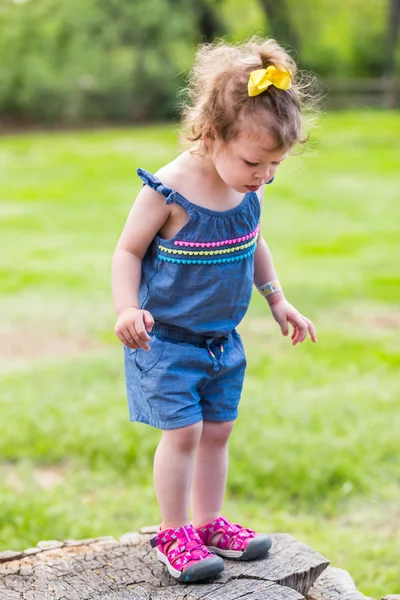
pixel 220 243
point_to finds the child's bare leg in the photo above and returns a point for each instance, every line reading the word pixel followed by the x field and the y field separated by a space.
pixel 173 472
pixel 210 472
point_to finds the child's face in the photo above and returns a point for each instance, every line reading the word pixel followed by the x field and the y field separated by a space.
pixel 247 162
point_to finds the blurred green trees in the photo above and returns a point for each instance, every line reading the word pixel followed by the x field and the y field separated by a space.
pixel 88 60
pixel 92 59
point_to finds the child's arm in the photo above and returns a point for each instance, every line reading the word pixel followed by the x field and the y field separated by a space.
pixel 282 311
pixel 147 216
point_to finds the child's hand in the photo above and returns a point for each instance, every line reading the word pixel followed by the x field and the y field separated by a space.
pixel 284 313
pixel 132 326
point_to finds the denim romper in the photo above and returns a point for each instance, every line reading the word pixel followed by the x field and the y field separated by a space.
pixel 197 285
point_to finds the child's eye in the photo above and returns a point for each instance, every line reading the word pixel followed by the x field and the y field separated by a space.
pixel 250 164
pixel 276 163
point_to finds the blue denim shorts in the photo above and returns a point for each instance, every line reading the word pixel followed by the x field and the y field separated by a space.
pixel 184 378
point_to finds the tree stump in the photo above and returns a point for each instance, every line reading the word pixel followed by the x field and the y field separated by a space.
pixel 127 569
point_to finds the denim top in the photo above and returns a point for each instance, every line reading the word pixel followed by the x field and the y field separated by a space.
pixel 201 280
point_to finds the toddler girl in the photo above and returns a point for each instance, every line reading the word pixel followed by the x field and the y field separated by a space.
pixel 183 273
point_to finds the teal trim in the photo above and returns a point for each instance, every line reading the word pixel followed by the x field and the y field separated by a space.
pixel 183 261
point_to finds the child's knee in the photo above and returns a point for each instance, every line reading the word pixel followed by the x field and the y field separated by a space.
pixel 184 439
pixel 215 432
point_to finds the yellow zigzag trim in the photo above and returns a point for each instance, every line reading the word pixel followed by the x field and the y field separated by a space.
pixel 208 253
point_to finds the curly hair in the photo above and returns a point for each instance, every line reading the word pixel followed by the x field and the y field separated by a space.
pixel 218 100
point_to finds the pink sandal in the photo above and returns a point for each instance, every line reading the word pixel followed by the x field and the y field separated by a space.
pixel 236 541
pixel 190 560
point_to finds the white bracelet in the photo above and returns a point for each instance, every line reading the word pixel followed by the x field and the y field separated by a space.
pixel 269 288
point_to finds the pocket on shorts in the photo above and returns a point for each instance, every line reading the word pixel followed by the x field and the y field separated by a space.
pixel 146 361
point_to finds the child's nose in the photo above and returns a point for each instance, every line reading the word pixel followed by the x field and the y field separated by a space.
pixel 264 174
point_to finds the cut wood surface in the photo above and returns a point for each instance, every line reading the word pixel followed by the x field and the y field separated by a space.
pixel 127 569
pixel 335 584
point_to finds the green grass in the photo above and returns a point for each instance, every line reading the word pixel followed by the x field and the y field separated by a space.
pixel 315 450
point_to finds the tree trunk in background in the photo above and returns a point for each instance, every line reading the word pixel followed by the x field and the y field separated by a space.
pixel 209 23
pixel 277 13
pixel 394 24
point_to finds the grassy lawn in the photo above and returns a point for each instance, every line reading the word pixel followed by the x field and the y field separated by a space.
pixel 315 451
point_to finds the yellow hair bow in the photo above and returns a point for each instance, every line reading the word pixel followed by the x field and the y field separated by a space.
pixel 261 79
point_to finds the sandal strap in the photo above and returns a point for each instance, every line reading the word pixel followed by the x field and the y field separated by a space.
pixel 190 548
pixel 233 534
pixel 171 535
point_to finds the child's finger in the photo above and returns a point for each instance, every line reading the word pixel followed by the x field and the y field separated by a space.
pixel 148 320
pixel 125 340
pixel 133 336
pixel 296 334
pixel 311 329
pixel 140 329
pixel 301 329
pixel 141 344
pixel 284 326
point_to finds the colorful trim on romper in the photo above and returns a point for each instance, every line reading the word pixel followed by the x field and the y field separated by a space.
pixel 213 244
pixel 217 255
pixel 207 262
pixel 210 252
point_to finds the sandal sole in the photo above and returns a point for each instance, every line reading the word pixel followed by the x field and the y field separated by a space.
pixel 257 548
pixel 205 569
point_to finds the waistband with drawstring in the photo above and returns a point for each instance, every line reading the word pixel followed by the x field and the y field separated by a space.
pixel 179 335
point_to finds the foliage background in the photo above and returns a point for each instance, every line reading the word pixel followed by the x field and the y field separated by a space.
pixel 96 60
